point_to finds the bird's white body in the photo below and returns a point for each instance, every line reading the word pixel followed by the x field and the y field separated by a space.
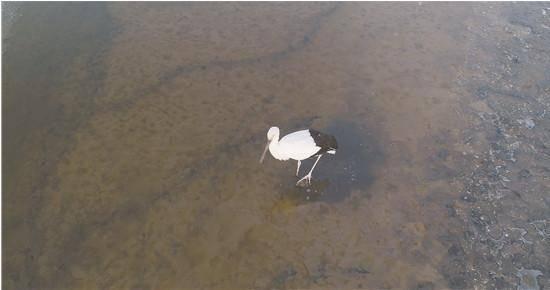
pixel 298 146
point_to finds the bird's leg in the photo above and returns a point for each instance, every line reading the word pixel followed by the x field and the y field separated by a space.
pixel 308 176
pixel 298 168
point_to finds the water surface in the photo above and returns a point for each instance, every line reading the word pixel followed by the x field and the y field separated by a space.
pixel 132 133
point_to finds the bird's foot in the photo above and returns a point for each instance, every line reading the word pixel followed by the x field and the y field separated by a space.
pixel 306 180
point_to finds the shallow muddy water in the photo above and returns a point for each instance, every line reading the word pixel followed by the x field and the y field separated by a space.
pixel 132 133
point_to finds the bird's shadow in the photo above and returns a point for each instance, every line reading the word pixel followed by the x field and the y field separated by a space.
pixel 336 176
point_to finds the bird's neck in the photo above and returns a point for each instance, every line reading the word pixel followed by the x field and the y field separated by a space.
pixel 276 151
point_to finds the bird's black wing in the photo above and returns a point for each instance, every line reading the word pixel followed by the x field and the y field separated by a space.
pixel 325 141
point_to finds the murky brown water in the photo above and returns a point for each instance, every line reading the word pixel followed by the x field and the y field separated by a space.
pixel 132 134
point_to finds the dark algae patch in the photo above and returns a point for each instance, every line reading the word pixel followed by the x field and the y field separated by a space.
pixel 336 176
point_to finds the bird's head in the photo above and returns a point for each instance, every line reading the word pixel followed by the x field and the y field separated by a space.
pixel 273 131
pixel 272 134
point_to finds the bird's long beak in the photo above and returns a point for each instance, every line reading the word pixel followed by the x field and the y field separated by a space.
pixel 265 151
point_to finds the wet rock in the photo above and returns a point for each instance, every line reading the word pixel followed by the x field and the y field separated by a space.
pixel 455 250
pixel 527 122
pixel 482 93
pixel 281 278
pixel 443 154
pixel 458 282
pixel 468 198
pixel 451 211
pixel 425 286
pixel 454 268
pixel 440 171
pixel 478 219
pixel 320 273
pixel 358 270
pixel 524 174
pixel 528 279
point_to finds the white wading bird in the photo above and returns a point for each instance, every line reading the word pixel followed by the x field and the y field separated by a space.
pixel 299 145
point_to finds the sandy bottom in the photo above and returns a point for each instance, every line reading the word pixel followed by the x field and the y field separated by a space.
pixel 132 134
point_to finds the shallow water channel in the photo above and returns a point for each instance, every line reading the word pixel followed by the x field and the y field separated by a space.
pixel 132 132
